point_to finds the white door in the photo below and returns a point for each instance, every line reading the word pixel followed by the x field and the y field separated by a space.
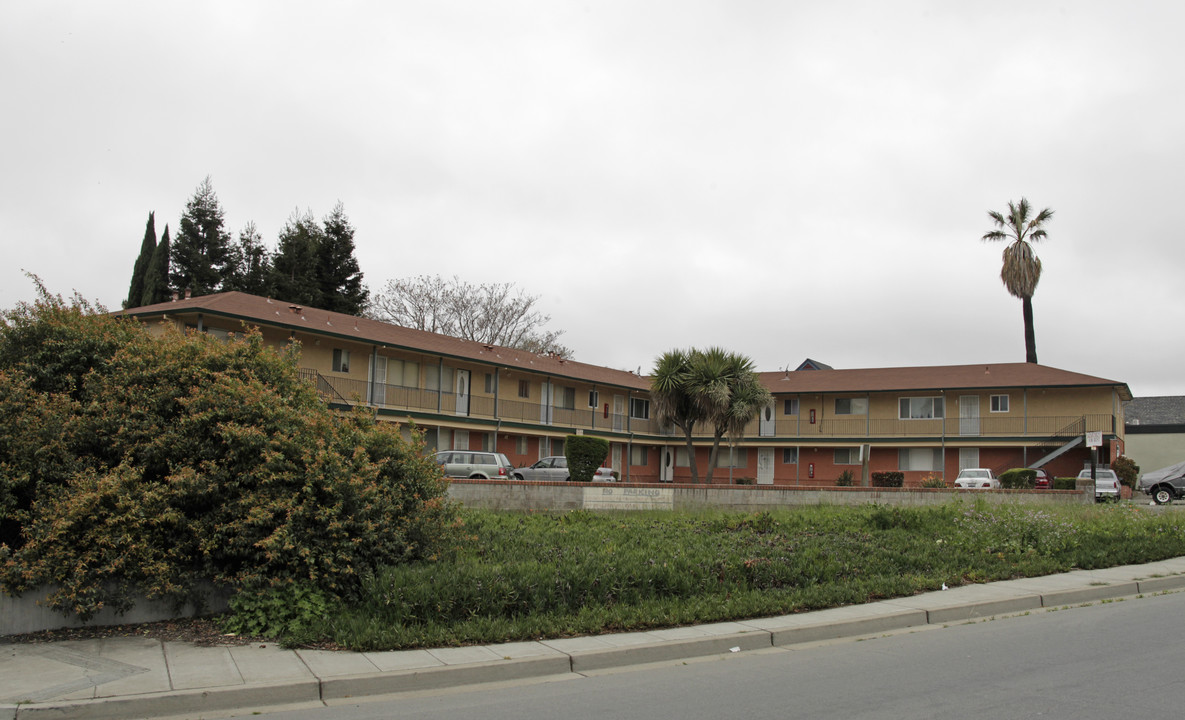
pixel 968 458
pixel 462 392
pixel 461 440
pixel 616 462
pixel 767 422
pixel 618 412
pixel 667 472
pixel 545 398
pixel 765 466
pixel 969 415
pixel 378 394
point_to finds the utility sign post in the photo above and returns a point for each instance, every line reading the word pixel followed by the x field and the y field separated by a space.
pixel 1094 440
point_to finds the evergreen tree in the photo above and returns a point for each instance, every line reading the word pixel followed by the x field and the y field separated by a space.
pixel 339 277
pixel 201 250
pixel 250 266
pixel 156 278
pixel 136 290
pixel 294 267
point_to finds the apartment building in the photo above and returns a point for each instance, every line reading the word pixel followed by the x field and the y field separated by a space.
pixel 925 421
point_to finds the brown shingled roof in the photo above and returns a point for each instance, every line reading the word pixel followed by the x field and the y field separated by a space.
pixel 933 378
pixel 290 316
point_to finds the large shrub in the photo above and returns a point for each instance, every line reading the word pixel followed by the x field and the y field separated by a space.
pixel 585 454
pixel 1127 470
pixel 1018 479
pixel 888 478
pixel 137 461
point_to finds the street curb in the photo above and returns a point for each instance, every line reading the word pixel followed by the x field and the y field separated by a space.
pixel 579 658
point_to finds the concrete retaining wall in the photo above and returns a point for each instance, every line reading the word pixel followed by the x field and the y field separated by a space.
pixel 510 495
pixel 24 614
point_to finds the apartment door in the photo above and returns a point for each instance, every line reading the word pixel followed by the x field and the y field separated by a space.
pixel 766 428
pixel 378 393
pixel 666 472
pixel 462 392
pixel 616 462
pixel 618 412
pixel 968 414
pixel 765 466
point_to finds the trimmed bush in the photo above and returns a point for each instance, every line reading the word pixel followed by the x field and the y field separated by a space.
pixel 844 479
pixel 888 479
pixel 155 463
pixel 1018 479
pixel 1064 483
pixel 585 454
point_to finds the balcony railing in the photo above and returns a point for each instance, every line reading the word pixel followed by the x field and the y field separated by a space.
pixel 397 397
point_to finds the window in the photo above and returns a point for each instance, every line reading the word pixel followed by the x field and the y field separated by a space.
pixel 737 458
pixel 847 456
pixel 640 408
pixel 567 398
pixel 790 406
pixel 593 399
pixel 433 376
pixel 403 372
pixel 341 361
pixel 487 442
pixel 489 383
pixel 639 455
pixel 1000 403
pixel 524 389
pixel 520 445
pixel 851 406
pixel 922 408
pixel 789 456
pixel 926 459
pixel 681 457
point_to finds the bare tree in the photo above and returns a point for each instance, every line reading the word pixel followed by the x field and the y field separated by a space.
pixel 492 313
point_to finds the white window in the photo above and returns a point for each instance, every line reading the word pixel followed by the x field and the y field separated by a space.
pixel 341 361
pixel 1000 403
pixel 789 456
pixel 926 459
pixel 790 406
pixel 851 406
pixel 593 398
pixel 403 372
pixel 640 408
pixel 566 398
pixel 639 455
pixel 847 456
pixel 922 408
pixel 681 458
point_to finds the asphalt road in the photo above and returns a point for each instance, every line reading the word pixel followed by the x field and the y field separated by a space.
pixel 1107 660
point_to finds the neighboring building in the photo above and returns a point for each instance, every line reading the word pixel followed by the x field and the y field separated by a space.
pixel 1155 431
pixel 466 395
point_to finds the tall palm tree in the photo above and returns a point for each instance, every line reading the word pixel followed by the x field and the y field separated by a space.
pixel 1022 267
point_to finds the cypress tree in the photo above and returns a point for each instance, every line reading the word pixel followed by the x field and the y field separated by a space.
pixel 147 248
pixel 201 250
pixel 156 279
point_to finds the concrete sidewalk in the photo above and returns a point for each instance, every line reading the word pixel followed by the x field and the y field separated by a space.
pixel 141 678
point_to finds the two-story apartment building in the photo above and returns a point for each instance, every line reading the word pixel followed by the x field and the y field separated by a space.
pixel 466 395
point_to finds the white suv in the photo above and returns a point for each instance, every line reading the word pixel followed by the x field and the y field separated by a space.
pixel 1106 483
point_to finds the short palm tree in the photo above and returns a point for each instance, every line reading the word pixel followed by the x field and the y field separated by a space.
pixel 1022 267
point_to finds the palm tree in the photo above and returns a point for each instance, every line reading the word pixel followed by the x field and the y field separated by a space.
pixel 1022 267
pixel 713 387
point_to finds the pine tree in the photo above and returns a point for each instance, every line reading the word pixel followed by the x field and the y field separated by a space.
pixel 294 267
pixel 143 260
pixel 201 250
pixel 156 278
pixel 338 275
pixel 250 267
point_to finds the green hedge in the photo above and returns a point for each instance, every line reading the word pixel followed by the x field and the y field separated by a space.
pixel 889 478
pixel 1065 483
pixel 1018 479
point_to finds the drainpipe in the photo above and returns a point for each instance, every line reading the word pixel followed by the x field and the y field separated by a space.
pixel 440 385
pixel 374 367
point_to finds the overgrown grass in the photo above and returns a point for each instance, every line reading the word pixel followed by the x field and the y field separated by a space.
pixel 516 576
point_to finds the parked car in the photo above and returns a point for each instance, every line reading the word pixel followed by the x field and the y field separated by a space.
pixel 474 465
pixel 977 479
pixel 1042 481
pixel 604 474
pixel 552 467
pixel 1164 485
pixel 1106 483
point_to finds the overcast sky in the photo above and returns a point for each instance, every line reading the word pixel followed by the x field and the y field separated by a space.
pixel 783 179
